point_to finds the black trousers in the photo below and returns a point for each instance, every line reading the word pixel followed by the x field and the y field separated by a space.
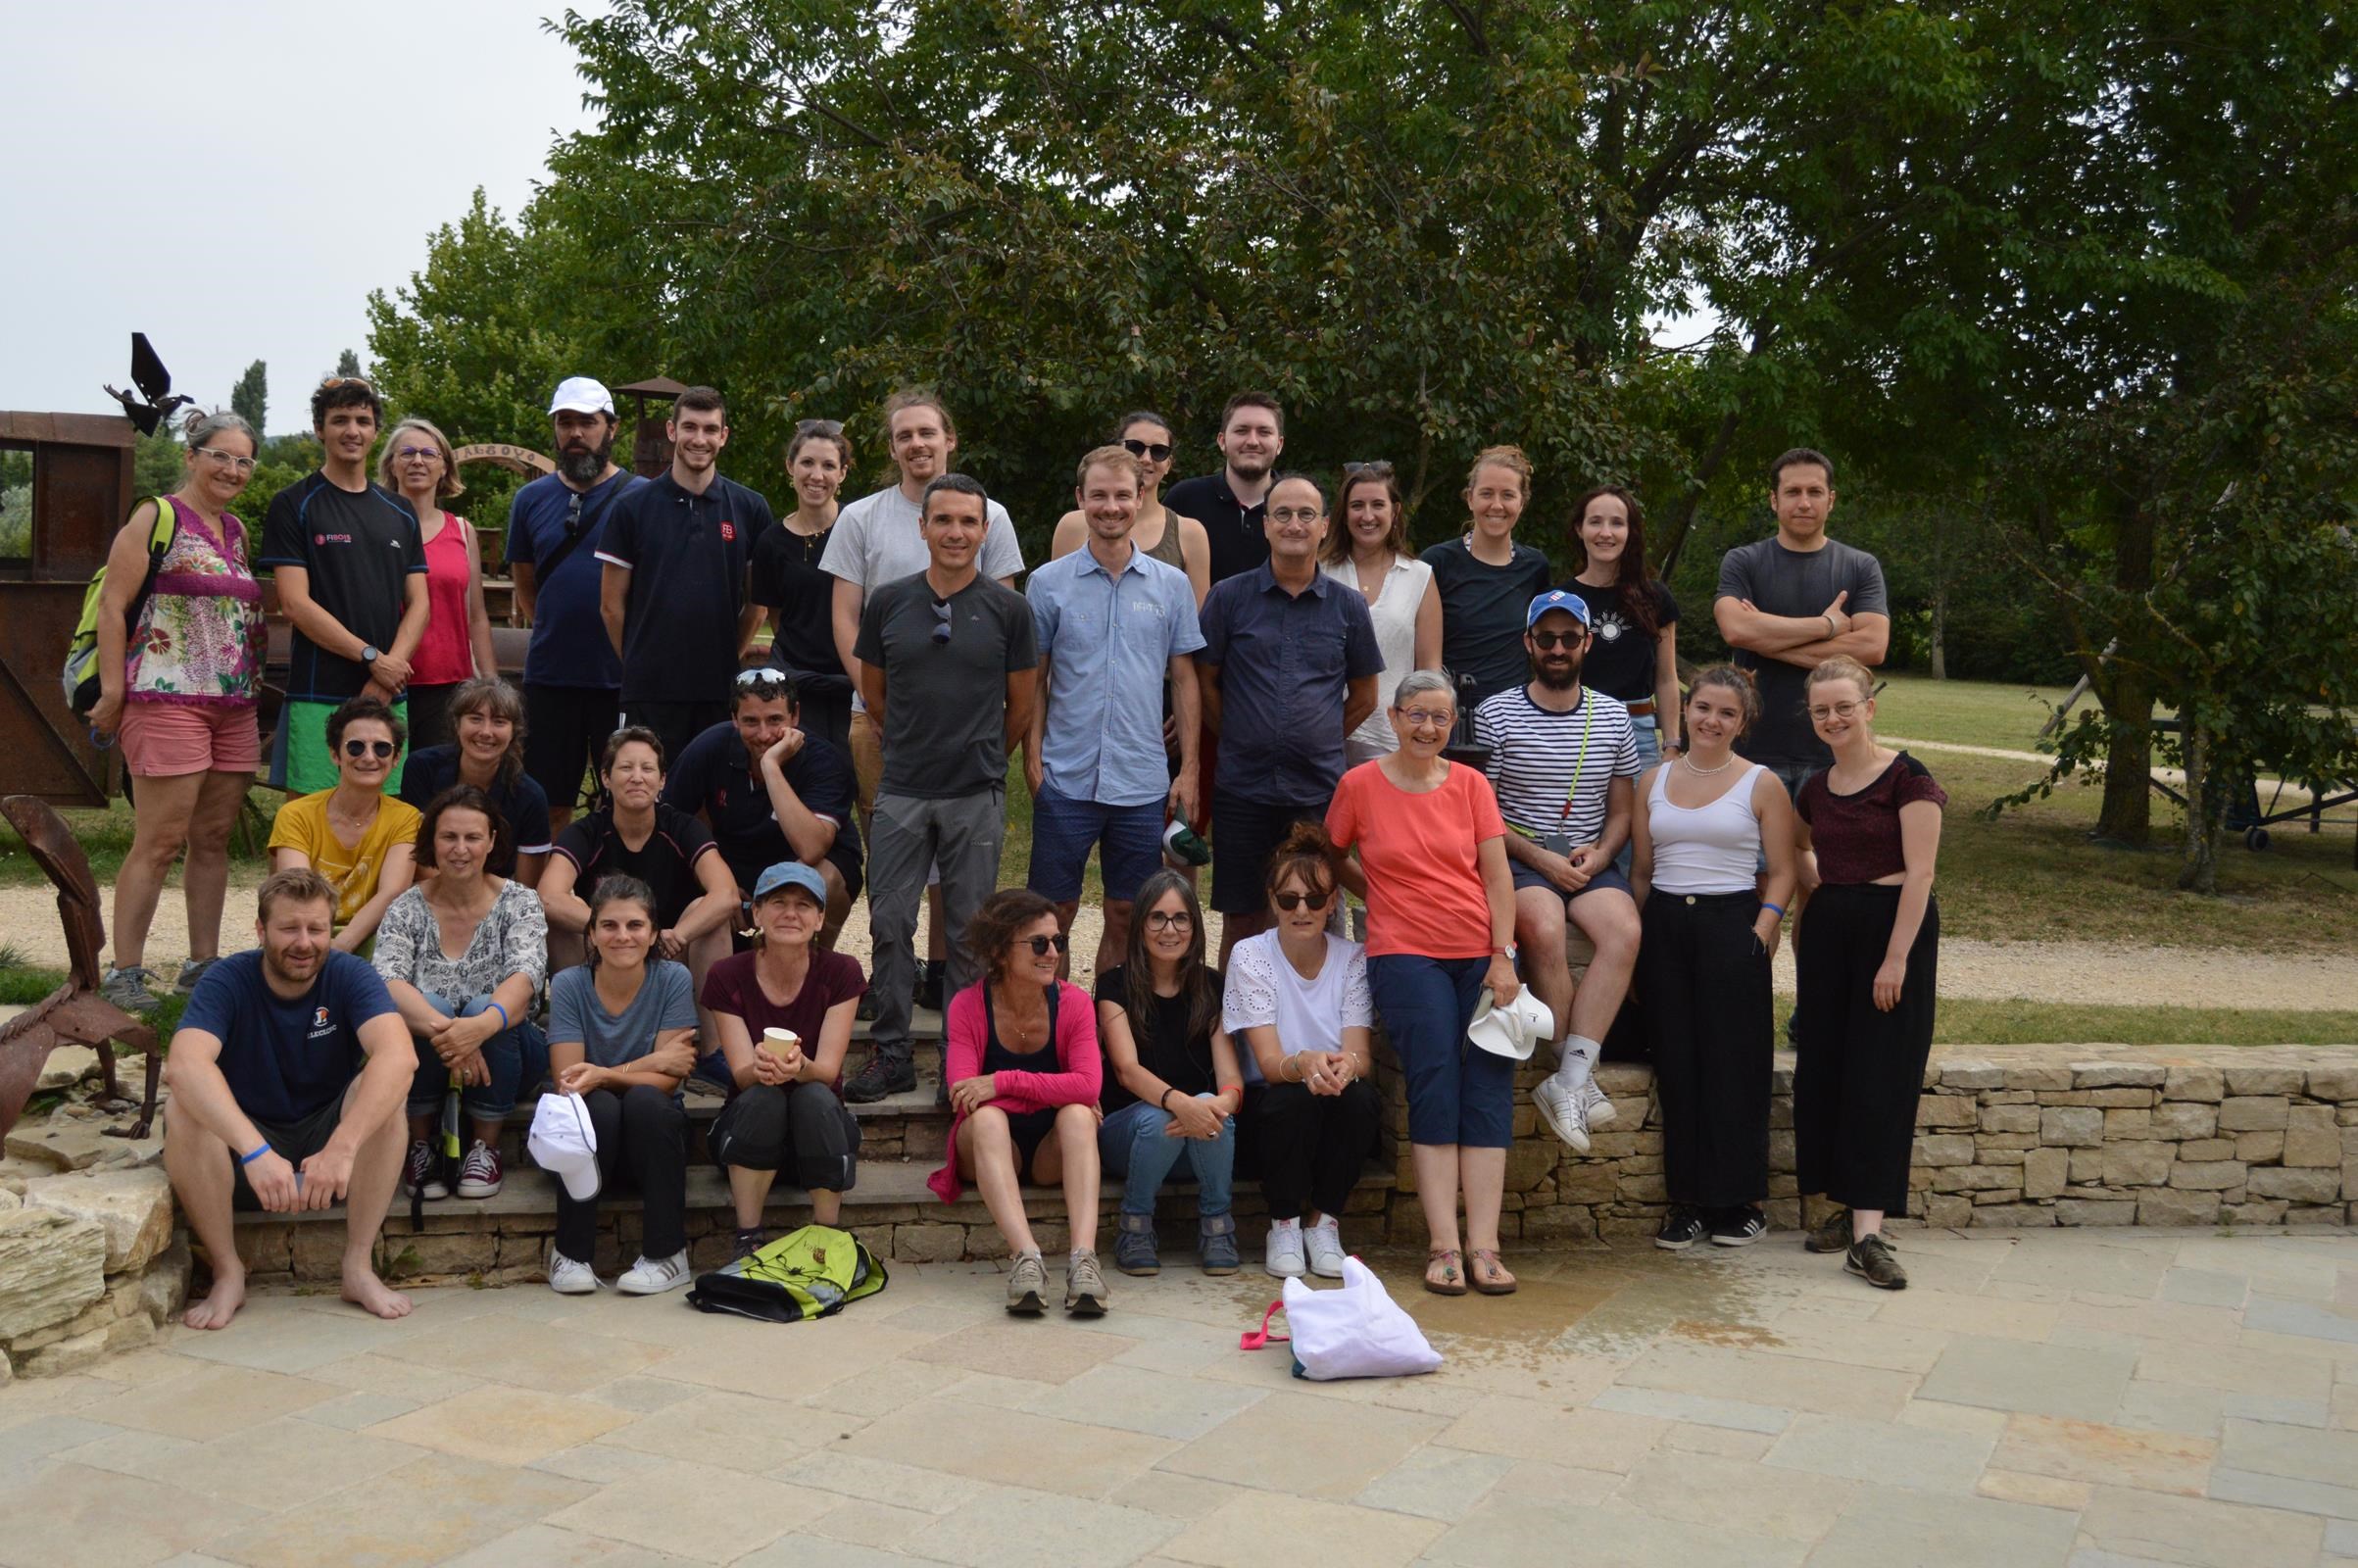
pixel 1311 1148
pixel 1705 977
pixel 1859 1070
pixel 804 1129
pixel 642 1141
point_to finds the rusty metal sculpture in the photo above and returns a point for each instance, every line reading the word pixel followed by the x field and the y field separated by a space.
pixel 75 1013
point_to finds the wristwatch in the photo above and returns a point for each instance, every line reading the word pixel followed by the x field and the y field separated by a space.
pixel 369 654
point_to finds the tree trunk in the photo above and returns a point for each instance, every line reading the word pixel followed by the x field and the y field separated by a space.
pixel 2206 809
pixel 2127 814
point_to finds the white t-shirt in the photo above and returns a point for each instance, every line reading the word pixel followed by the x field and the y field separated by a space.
pixel 1395 616
pixel 876 540
pixel 1264 990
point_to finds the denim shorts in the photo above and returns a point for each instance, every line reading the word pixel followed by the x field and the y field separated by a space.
pixel 1128 840
pixel 1527 878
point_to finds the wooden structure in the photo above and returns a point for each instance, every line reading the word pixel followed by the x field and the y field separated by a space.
pixel 650 447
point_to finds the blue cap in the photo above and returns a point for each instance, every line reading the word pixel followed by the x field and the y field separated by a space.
pixel 1557 598
pixel 792 874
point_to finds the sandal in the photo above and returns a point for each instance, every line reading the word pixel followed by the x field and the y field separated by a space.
pixel 1452 1282
pixel 1498 1282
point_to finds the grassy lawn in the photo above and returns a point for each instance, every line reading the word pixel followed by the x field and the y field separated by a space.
pixel 1965 713
pixel 1962 1022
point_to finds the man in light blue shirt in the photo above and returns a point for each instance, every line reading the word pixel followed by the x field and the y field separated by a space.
pixel 1112 624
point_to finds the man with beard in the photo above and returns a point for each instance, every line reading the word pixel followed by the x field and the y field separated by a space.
pixel 572 680
pixel 1231 503
pixel 288 1076
pixel 1561 759
pixel 676 595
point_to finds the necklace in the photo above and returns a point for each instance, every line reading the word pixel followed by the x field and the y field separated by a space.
pixel 1692 768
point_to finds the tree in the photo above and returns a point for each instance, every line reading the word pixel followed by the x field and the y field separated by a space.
pixel 250 399
pixel 348 363
pixel 158 463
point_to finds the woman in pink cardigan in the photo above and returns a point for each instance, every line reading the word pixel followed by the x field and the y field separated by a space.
pixel 1022 1063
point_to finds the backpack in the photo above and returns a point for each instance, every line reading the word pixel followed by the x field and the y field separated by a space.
pixel 79 678
pixel 811 1273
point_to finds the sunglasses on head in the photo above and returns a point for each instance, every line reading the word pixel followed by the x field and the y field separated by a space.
pixel 381 749
pixel 1151 451
pixel 763 676
pixel 1040 945
pixel 1289 901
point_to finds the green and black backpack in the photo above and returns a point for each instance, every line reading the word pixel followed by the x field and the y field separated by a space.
pixel 79 678
pixel 811 1273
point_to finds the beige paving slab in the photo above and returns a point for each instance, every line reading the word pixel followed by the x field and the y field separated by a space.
pixel 1688 1438
pixel 1803 1330
pixel 799 1550
pixel 884 1387
pixel 2301 1454
pixel 276 1465
pixel 209 1404
pixel 27 1443
pixel 2090 1262
pixel 1888 1454
pixel 1307 1447
pixel 1948 1312
pixel 694 1511
pixel 1010 1447
pixel 799 1363
pixel 425 1512
pixel 1159 1404
pixel 1239 1532
pixel 1732 1494
pixel 2083 1384
pixel 877 1480
pixel 503 1425
pixel 596 1463
pixel 1523 1533
pixel 1779 1381
pixel 2179 1322
pixel 277 1334
pixel 157 1363
pixel 532 1356
pixel 871 1523
pixel 2197 1532
pixel 545 1546
pixel 376 1373
pixel 1945 1531
pixel 350 1412
pixel 2109 1455
pixel 1008 1393
pixel 1171 1494
pixel 2238 1369
pixel 733 1431
pixel 2039 1492
pixel 642 1395
pixel 1012 1527
pixel 1557 1485
pixel 1585 1439
pixel 1437 1482
pixel 75 1516
pixel 1048 1351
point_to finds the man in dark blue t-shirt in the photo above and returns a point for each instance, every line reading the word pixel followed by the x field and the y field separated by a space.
pixel 289 1074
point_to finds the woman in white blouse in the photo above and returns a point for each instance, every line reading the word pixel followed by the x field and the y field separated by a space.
pixel 1370 552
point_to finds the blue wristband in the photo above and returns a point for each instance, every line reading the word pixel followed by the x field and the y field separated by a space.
pixel 505 1025
pixel 1778 907
pixel 260 1149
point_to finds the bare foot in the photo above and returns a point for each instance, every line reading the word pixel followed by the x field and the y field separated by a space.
pixel 361 1288
pixel 216 1309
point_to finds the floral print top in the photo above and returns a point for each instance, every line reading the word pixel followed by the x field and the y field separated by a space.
pixel 200 635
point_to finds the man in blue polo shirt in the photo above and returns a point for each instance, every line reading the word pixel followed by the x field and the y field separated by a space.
pixel 572 680
pixel 677 594
pixel 288 1076
pixel 1112 624
pixel 1288 667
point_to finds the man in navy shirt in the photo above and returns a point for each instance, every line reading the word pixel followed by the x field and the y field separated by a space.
pixel 1287 668
pixel 677 594
pixel 289 1073
pixel 572 680
pixel 1232 503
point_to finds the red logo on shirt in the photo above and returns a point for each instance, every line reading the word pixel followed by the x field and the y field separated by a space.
pixel 318 1018
pixel 728 530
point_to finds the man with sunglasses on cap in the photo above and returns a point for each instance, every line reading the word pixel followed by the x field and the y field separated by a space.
pixel 1561 761
pixel 573 678
pixel 948 663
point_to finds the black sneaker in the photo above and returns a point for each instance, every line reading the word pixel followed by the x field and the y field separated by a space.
pixel 1680 1229
pixel 1738 1227
pixel 1871 1259
pixel 748 1242
pixel 929 984
pixel 883 1075
pixel 1832 1234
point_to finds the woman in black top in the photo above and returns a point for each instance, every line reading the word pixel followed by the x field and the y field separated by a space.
pixel 1633 621
pixel 1487 579
pixel 801 598
pixel 1173 1084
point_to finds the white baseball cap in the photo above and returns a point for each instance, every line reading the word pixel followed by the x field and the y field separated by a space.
pixel 1514 1030
pixel 582 394
pixel 564 1143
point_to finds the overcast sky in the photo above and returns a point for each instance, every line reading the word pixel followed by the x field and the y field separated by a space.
pixel 233 179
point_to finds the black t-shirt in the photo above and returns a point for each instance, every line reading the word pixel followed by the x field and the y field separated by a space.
pixel 688 557
pixel 1238 542
pixel 713 775
pixel 665 862
pixel 1797 583
pixel 787 579
pixel 946 699
pixel 360 548
pixel 1484 609
pixel 523 804
pixel 1621 660
pixel 1164 1045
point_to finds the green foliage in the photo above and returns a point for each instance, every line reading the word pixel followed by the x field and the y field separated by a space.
pixel 158 464
pixel 250 399
pixel 348 362
pixel 16 504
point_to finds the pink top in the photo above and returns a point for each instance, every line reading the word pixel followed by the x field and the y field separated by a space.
pixel 1075 1046
pixel 200 637
pixel 446 652
pixel 1422 854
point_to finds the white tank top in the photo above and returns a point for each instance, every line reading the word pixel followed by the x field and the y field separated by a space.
pixel 1704 848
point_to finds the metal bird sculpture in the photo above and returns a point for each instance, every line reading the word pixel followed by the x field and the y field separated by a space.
pixel 155 400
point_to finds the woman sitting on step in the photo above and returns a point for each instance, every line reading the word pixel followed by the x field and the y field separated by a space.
pixel 1022 1065
pixel 622 1035
pixel 784 1014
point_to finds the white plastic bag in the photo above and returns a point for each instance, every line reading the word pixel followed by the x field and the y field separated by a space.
pixel 1357 1332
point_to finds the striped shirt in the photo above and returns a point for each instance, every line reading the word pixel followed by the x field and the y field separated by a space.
pixel 1536 756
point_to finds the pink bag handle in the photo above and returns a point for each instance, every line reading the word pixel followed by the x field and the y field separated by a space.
pixel 1257 1339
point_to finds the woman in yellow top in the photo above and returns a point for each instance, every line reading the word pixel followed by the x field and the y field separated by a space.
pixel 363 841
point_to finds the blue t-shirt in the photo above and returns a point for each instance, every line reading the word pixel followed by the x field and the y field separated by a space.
pixel 569 645
pixel 287 1060
pixel 1285 661
pixel 667 999
pixel 523 803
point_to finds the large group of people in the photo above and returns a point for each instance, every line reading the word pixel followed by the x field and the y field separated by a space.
pixel 630 872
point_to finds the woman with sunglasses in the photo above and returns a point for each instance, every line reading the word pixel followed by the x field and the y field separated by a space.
pixel 363 841
pixel 1022 1065
pixel 1161 533
pixel 1370 552
pixel 1488 578
pixel 1633 619
pixel 1431 861
pixel 1172 1086
pixel 1297 997
pixel 487 752
pixel 417 465
pixel 1866 971
pixel 181 688
pixel 799 595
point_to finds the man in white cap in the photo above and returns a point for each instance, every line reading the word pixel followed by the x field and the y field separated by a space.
pixel 573 678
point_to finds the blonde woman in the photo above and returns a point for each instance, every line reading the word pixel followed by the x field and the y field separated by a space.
pixel 417 465
pixel 1488 578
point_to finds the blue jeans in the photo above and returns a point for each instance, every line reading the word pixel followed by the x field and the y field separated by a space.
pixel 1457 1092
pixel 518 1059
pixel 1131 1144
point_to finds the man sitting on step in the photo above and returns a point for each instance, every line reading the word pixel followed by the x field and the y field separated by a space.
pixel 288 1076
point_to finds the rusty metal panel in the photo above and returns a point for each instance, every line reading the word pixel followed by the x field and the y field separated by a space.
pixel 43 750
pixel 80 496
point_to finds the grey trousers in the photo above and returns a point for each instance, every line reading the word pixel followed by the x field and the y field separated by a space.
pixel 907 838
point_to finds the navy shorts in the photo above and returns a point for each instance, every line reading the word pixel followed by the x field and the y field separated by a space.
pixel 1245 835
pixel 1457 1092
pixel 1526 877
pixel 293 1140
pixel 1128 840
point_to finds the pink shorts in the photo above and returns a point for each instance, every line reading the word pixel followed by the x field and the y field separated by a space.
pixel 165 740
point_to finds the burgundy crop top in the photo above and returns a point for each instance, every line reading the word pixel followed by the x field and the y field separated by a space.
pixel 1857 836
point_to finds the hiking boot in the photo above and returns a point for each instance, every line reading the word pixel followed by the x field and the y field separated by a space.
pixel 1324 1243
pixel 568 1276
pixel 1215 1244
pixel 1832 1234
pixel 1560 1107
pixel 420 1175
pixel 1027 1286
pixel 1680 1229
pixel 1870 1258
pixel 652 1276
pixel 479 1175
pixel 126 988
pixel 1134 1245
pixel 1738 1227
pixel 883 1075
pixel 191 971
pixel 1085 1293
pixel 929 984
pixel 1597 1110
pixel 1282 1256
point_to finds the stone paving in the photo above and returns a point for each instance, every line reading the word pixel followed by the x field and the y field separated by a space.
pixel 2097 1399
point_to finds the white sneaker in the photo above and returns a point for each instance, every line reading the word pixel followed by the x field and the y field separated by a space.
pixel 1594 1106
pixel 1560 1107
pixel 1325 1243
pixel 652 1276
pixel 1282 1256
pixel 570 1276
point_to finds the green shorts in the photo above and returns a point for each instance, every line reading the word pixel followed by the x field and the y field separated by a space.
pixel 300 761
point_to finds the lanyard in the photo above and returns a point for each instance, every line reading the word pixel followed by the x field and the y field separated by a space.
pixel 1587 724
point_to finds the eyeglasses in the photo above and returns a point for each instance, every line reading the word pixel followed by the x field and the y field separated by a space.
pixel 1837 710
pixel 1289 901
pixel 1151 451
pixel 224 460
pixel 941 621
pixel 761 675
pixel 1416 717
pixel 1170 920
pixel 1546 640
pixel 360 748
pixel 1040 945
pixel 1285 514
pixel 412 454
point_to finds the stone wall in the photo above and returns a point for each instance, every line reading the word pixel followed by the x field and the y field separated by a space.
pixel 90 1263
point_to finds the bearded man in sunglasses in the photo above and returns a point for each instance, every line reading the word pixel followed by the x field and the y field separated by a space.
pixel 361 840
